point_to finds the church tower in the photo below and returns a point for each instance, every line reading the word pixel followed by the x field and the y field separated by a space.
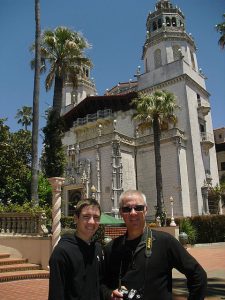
pixel 73 96
pixel 170 63
pixel 106 153
pixel 167 42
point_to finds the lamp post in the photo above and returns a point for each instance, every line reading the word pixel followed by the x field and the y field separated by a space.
pixel 93 192
pixel 172 223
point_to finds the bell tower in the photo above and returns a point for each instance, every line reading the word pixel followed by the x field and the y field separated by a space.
pixel 73 96
pixel 167 40
pixel 170 63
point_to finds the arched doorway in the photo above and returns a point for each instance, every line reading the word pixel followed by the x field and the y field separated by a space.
pixel 74 197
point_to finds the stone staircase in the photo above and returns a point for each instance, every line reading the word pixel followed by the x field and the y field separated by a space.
pixel 19 268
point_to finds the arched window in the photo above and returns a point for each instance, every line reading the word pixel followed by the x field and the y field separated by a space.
pixel 146 66
pixel 192 60
pixel 168 21
pixel 157 58
pixel 74 198
pixel 159 23
pixel 86 72
pixel 154 26
pixel 174 22
pixel 176 52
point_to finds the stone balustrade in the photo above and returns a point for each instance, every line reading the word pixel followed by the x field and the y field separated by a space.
pixel 23 224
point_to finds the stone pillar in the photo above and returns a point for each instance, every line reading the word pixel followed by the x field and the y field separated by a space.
pixel 98 164
pixel 98 191
pixel 205 198
pixel 117 176
pixel 56 184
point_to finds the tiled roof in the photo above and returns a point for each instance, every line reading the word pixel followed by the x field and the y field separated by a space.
pixel 92 104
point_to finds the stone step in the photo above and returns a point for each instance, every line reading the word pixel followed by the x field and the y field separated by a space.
pixel 4 255
pixel 28 274
pixel 12 268
pixel 18 267
pixel 12 260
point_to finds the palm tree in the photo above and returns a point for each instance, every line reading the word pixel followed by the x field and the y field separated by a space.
pixel 156 110
pixel 24 116
pixel 221 29
pixel 35 127
pixel 62 52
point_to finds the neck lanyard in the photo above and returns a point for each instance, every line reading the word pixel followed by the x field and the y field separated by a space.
pixel 148 252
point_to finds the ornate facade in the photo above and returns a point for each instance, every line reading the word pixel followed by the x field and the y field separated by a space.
pixel 107 154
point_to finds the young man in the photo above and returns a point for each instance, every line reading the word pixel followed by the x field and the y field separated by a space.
pixel 75 261
pixel 142 260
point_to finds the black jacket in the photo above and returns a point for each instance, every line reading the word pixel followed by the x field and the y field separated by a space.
pixel 153 276
pixel 74 270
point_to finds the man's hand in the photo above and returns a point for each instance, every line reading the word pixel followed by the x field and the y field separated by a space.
pixel 116 294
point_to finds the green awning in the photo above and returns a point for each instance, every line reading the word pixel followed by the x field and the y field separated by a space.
pixel 110 220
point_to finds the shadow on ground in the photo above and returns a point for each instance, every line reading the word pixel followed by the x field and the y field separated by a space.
pixel 216 287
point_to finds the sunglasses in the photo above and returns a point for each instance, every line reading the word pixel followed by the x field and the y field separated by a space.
pixel 128 209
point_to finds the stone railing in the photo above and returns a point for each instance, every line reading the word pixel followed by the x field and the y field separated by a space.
pixel 101 114
pixel 23 224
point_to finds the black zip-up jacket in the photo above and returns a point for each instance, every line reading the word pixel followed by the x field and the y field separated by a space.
pixel 74 270
pixel 151 276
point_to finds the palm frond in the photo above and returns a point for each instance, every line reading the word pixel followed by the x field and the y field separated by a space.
pixel 221 29
pixel 50 78
pixel 160 105
pixel 62 55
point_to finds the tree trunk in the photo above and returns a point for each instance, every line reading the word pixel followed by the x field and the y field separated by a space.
pixel 35 127
pixel 158 170
pixel 57 97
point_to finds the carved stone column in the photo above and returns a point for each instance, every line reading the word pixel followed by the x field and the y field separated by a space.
pixel 205 198
pixel 98 191
pixel 56 184
pixel 117 176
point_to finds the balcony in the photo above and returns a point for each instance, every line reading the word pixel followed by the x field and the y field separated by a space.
pixel 90 118
pixel 203 107
pixel 207 140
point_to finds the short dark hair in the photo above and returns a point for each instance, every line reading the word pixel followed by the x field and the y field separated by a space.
pixel 86 202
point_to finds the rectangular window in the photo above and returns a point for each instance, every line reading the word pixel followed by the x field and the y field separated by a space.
pixel 202 128
pixel 223 166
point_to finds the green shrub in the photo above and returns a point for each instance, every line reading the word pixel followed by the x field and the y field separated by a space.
pixel 210 228
pixel 186 226
pixel 25 207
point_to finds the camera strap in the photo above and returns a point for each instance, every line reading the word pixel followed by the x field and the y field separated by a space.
pixel 148 243
pixel 148 252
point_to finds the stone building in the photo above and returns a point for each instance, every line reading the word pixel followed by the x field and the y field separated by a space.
pixel 219 135
pixel 106 154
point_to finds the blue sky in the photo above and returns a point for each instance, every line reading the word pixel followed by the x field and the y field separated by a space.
pixel 116 29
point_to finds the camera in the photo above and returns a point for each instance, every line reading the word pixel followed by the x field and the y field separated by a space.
pixel 130 294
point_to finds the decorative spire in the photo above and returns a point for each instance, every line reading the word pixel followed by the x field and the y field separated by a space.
pixel 163 4
pixel 166 21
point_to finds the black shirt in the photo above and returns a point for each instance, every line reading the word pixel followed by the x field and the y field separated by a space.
pixel 155 275
pixel 74 270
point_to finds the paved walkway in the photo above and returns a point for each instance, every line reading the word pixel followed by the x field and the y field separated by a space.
pixel 211 257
